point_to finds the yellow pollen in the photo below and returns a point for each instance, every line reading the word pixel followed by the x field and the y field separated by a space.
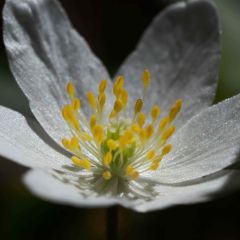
pixel 132 172
pixel 124 145
pixel 149 131
pixel 118 86
pixel 151 154
pixel 136 128
pixel 118 106
pixel 102 86
pixel 70 89
pixel 76 104
pixel 82 163
pixel 146 78
pixel 168 133
pixel 163 123
pixel 155 112
pixel 107 159
pixel 102 101
pixel 154 166
pixel 74 144
pixel 112 144
pixel 92 100
pixel 124 97
pixel 126 138
pixel 107 175
pixel 66 143
pixel 138 106
pixel 141 119
pixel 167 149
pixel 93 121
pixel 175 109
pixel 98 133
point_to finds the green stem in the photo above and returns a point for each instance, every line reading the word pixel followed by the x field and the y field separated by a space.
pixel 112 223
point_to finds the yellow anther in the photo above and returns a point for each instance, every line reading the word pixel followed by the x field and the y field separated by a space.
pixel 82 163
pixel 75 124
pixel 107 175
pixel 74 144
pixel 102 86
pixel 155 112
pixel 146 78
pixel 98 133
pixel 118 86
pixel 163 123
pixel 130 171
pixel 67 113
pixel 124 97
pixel 118 106
pixel 70 89
pixel 167 149
pixel 168 133
pixel 102 101
pixel 107 159
pixel 136 128
pixel 119 82
pixel 76 104
pixel 92 100
pixel 149 131
pixel 141 119
pixel 174 110
pixel 138 106
pixel 93 121
pixel 112 144
pixel 142 135
pixel 66 143
pixel 154 166
pixel 112 114
pixel 151 154
pixel 126 138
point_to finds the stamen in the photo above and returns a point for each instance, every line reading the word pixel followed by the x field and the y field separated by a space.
pixel 155 112
pixel 70 89
pixel 141 119
pixel 138 106
pixel 107 175
pixel 146 78
pixel 82 163
pixel 107 159
pixel 92 100
pixel 102 86
pixel 175 110
pixel 120 146
pixel 76 104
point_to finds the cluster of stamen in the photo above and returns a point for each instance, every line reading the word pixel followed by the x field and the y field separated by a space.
pixel 121 146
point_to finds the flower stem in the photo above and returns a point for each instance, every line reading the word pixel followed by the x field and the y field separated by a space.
pixel 112 223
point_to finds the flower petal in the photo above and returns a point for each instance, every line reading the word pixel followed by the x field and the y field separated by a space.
pixel 45 52
pixel 207 188
pixel 208 143
pixel 20 142
pixel 48 187
pixel 182 51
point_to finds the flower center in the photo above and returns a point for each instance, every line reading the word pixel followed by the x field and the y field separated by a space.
pixel 121 146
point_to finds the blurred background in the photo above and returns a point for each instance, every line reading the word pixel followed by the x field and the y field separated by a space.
pixel 112 28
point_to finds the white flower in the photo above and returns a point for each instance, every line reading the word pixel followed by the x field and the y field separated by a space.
pixel 106 150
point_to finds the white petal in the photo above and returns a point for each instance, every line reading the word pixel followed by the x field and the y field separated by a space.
pixel 204 190
pixel 181 49
pixel 45 52
pixel 19 141
pixel 208 143
pixel 46 186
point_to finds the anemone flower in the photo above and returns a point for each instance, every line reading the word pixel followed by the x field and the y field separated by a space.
pixel 110 142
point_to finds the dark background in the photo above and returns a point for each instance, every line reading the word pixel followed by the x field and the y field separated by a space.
pixel 112 28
